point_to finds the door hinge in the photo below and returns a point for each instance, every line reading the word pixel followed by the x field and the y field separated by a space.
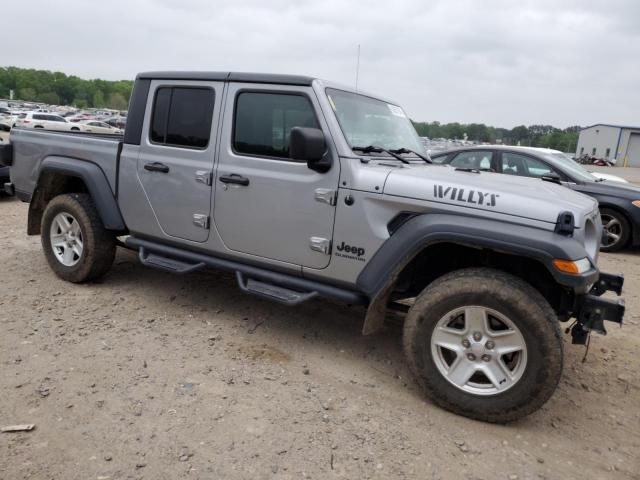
pixel 201 220
pixel 204 176
pixel 325 195
pixel 319 244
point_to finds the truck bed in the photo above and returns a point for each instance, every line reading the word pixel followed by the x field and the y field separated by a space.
pixel 31 147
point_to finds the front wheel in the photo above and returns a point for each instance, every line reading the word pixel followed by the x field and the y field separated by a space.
pixel 484 344
pixel 616 230
pixel 75 242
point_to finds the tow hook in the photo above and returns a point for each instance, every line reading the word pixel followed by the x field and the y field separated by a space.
pixel 607 282
pixel 595 310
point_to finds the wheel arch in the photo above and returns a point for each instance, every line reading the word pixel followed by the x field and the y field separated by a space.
pixel 60 175
pixel 429 246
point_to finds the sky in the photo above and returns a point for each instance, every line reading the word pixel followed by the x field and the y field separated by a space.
pixel 498 62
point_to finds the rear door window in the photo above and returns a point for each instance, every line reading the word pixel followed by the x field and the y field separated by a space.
pixel 263 122
pixel 182 116
pixel 524 166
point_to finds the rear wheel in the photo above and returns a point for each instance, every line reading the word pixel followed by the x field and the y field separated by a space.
pixel 76 244
pixel 616 230
pixel 484 344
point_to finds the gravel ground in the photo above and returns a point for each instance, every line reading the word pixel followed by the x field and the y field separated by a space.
pixel 152 376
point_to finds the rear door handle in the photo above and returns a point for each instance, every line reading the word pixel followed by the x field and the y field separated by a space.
pixel 235 179
pixel 156 167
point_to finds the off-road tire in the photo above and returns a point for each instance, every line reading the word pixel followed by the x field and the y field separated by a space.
pixel 99 244
pixel 510 296
pixel 625 230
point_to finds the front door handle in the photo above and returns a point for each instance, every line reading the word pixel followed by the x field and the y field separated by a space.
pixel 235 179
pixel 156 167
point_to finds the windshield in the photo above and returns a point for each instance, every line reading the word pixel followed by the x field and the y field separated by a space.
pixel 366 121
pixel 573 167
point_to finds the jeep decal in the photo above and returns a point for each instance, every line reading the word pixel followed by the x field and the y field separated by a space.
pixel 350 251
pixel 471 196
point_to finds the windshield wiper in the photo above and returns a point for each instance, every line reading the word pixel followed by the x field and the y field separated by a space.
pixel 374 149
pixel 406 150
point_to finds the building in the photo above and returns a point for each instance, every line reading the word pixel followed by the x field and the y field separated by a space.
pixel 617 143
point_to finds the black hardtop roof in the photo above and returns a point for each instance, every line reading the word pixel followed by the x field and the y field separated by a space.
pixel 275 78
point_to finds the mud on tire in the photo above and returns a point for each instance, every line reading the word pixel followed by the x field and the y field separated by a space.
pixel 98 244
pixel 510 299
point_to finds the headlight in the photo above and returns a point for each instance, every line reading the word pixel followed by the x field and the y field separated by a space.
pixel 572 267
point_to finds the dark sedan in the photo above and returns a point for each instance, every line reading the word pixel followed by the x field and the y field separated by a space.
pixel 619 202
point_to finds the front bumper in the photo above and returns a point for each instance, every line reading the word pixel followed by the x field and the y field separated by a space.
pixel 593 310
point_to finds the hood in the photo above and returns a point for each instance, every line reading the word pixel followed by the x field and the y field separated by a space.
pixel 519 196
pixel 614 189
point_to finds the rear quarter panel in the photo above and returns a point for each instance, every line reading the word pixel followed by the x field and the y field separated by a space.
pixel 31 147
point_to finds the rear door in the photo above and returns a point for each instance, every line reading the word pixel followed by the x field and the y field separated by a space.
pixel 512 163
pixel 176 155
pixel 266 204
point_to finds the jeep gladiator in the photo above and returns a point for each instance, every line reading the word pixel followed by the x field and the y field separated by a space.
pixel 305 189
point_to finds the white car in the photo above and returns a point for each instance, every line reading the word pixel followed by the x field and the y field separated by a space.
pixel 608 177
pixel 48 121
pixel 97 126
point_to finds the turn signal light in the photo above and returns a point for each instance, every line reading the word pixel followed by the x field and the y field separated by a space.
pixel 636 203
pixel 572 267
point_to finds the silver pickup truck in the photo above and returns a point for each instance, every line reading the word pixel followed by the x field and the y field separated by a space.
pixel 307 189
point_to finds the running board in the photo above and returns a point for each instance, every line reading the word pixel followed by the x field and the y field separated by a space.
pixel 273 292
pixel 193 260
pixel 167 264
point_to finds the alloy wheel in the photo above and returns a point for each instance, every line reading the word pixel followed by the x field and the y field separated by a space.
pixel 66 239
pixel 479 350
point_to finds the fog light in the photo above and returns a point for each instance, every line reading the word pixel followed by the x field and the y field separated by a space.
pixel 572 267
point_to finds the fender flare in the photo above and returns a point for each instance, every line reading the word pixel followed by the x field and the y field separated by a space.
pixel 97 185
pixel 378 278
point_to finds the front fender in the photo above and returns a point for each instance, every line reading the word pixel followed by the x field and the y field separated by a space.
pixel 379 276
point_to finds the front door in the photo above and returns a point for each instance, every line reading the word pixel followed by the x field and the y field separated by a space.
pixel 176 155
pixel 267 205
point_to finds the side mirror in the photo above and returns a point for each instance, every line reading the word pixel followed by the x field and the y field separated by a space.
pixel 308 144
pixel 552 177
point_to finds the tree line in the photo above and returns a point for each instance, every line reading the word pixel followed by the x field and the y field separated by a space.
pixel 57 88
pixel 546 136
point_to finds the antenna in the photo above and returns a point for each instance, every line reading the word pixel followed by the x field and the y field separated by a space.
pixel 357 67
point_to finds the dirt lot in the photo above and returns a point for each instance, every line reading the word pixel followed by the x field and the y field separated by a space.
pixel 154 376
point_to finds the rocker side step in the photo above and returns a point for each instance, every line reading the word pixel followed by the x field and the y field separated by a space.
pixel 273 292
pixel 167 264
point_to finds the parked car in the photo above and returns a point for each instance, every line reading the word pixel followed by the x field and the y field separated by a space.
pixel 47 121
pixel 259 174
pixel 5 129
pixel 607 176
pixel 117 122
pixel 4 170
pixel 96 126
pixel 619 202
